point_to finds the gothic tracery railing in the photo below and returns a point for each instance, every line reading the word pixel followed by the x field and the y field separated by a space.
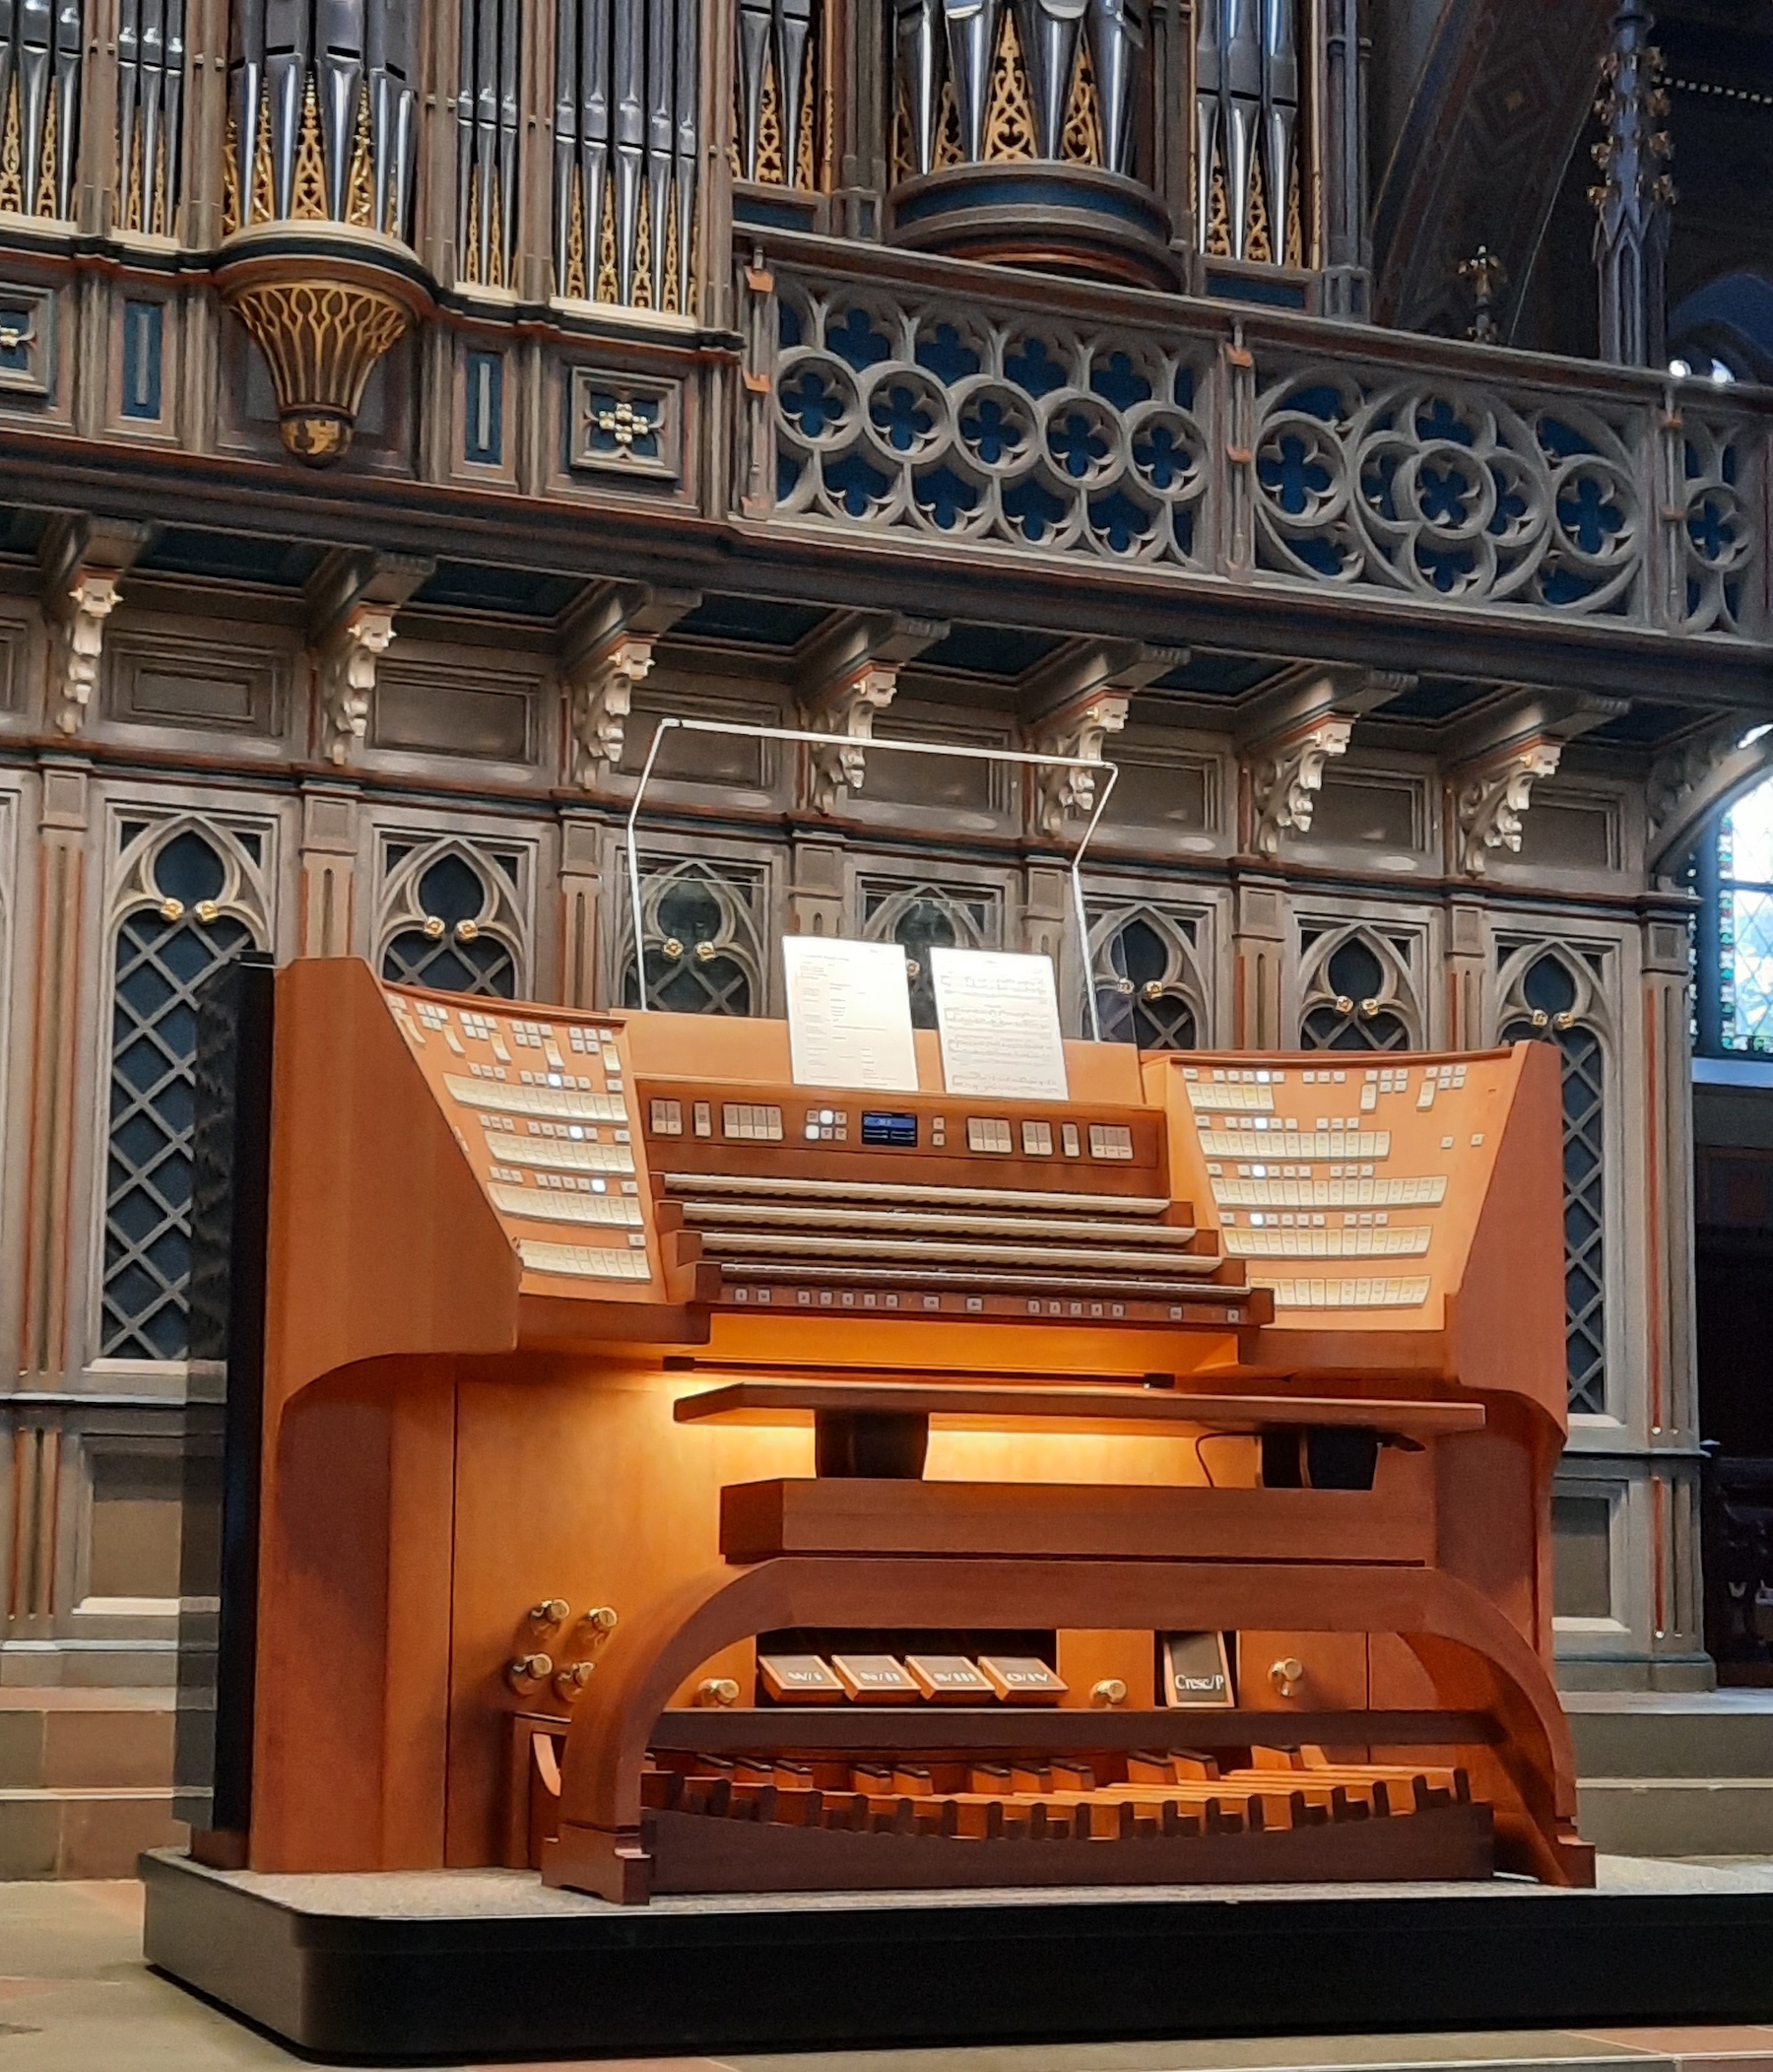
pixel 1037 424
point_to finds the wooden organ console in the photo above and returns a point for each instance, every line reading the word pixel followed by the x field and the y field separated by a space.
pixel 679 1480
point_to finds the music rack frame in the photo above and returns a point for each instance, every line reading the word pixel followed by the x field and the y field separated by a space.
pixel 1027 758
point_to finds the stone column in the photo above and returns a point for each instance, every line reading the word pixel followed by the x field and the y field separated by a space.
pixel 329 855
pixel 581 889
pixel 55 1090
pixel 1259 927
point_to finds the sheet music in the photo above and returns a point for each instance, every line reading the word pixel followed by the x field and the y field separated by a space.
pixel 849 1014
pixel 999 1018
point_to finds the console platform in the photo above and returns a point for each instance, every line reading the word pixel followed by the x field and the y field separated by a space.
pixel 480 1963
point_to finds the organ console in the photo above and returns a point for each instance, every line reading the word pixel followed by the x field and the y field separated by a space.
pixel 680 1479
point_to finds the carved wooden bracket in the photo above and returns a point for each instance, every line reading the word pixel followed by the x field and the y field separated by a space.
pixel 846 672
pixel 600 694
pixel 608 636
pixel 1494 759
pixel 1080 729
pixel 1490 799
pixel 347 676
pixel 1070 702
pixel 82 562
pixel 1286 776
pixel 79 641
pixel 1287 734
pixel 847 712
pixel 351 598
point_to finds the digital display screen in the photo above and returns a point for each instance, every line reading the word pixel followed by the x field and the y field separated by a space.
pixel 881 1126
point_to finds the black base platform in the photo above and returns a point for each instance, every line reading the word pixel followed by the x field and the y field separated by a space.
pixel 481 1963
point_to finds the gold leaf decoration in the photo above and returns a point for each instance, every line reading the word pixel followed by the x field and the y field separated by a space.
pixel 806 144
pixel 307 197
pixel 12 170
pixel 1218 242
pixel 1258 241
pixel 320 340
pixel 771 167
pixel 1081 141
pixel 1010 113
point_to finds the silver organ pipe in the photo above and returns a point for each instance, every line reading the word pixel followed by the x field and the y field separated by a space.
pixel 627 89
pixel 352 63
pixel 488 51
pixel 1049 31
pixel 246 88
pixel 955 41
pixel 920 76
pixel 1280 110
pixel 689 77
pixel 9 64
pixel 972 33
pixel 1247 112
pixel 661 138
pixel 36 30
pixel 339 75
pixel 774 37
pixel 626 144
pixel 793 32
pixel 1117 40
pixel 289 49
pixel 754 62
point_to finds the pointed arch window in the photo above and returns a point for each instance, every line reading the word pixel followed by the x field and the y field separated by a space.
pixel 925 918
pixel 703 950
pixel 1355 996
pixel 192 899
pixel 1147 982
pixel 1545 1003
pixel 1733 878
pixel 450 919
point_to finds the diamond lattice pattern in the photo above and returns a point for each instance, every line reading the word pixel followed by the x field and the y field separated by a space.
pixel 147 1179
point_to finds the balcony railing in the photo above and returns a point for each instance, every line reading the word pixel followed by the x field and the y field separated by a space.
pixel 970 408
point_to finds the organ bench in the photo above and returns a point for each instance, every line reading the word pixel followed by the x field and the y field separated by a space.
pixel 679 1480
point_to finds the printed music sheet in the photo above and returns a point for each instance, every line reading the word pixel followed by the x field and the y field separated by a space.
pixel 998 1014
pixel 849 1014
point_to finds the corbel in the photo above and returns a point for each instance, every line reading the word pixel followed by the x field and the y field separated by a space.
pixel 1493 761
pixel 846 671
pixel 607 637
pixel 81 564
pixel 1287 734
pixel 352 599
pixel 1069 703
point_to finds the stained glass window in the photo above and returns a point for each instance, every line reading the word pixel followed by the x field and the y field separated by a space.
pixel 1737 916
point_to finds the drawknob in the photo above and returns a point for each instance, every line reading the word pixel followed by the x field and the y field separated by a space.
pixel 717 1691
pixel 550 1612
pixel 573 1679
pixel 1286 1675
pixel 1109 1690
pixel 529 1672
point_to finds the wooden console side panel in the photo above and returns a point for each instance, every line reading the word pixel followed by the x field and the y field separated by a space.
pixel 350 1731
pixel 381 1242
pixel 383 1259
pixel 1506 1326
pixel 1506 1316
